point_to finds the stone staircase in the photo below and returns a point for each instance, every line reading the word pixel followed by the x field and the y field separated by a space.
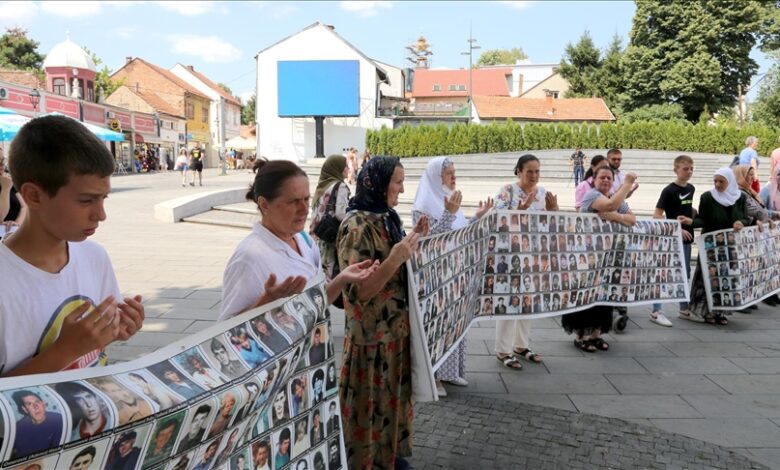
pixel 480 176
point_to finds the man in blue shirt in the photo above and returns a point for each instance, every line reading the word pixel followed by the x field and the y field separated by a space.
pixel 39 429
pixel 748 155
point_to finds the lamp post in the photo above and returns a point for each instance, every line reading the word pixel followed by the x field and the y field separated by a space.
pixel 470 53
pixel 35 98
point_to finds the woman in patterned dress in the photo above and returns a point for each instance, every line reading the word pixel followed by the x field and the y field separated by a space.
pixel 333 173
pixel 438 199
pixel 375 389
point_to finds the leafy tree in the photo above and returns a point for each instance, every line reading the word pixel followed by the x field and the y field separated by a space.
pixel 694 53
pixel 17 51
pixel 226 88
pixel 655 112
pixel 766 108
pixel 103 80
pixel 580 65
pixel 608 79
pixel 501 56
pixel 248 111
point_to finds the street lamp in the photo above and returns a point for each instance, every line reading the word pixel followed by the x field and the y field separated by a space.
pixel 35 98
pixel 470 53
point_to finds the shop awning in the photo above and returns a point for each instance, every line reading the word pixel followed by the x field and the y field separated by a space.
pixel 138 138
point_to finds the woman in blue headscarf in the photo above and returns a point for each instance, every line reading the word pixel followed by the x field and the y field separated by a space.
pixel 376 377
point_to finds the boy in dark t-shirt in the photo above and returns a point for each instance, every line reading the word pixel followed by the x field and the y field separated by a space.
pixel 676 203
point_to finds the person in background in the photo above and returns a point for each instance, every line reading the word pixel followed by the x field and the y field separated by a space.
pixel 439 201
pixel 587 180
pixel 513 336
pixel 577 162
pixel 196 164
pixel 331 184
pixel 774 161
pixel 364 158
pixel 352 164
pixel 749 156
pixel 182 165
pixel 770 194
pixel 376 376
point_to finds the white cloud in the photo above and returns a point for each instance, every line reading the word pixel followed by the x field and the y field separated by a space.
pixel 517 5
pixel 126 32
pixel 364 8
pixel 211 49
pixel 283 11
pixel 188 8
pixel 72 9
pixel 17 11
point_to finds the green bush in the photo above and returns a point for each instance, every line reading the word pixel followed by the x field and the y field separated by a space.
pixel 673 135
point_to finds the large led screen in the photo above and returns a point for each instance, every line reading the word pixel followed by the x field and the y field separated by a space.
pixel 318 88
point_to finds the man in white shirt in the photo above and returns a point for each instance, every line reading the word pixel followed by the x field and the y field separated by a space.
pixel 615 158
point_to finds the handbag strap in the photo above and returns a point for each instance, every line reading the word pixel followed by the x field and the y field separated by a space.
pixel 331 207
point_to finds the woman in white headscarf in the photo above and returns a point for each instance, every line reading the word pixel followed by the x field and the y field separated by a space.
pixel 722 207
pixel 438 199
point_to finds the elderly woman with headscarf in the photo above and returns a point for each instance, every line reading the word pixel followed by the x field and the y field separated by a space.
pixel 329 206
pixel 438 200
pixel 375 389
pixel 756 209
pixel 722 207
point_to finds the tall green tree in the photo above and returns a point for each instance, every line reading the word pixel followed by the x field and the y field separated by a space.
pixel 608 79
pixel 695 53
pixel 248 111
pixel 103 81
pixel 766 108
pixel 580 65
pixel 501 56
pixel 18 51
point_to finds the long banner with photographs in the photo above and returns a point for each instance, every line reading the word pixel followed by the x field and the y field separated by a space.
pixel 257 391
pixel 525 265
pixel 741 268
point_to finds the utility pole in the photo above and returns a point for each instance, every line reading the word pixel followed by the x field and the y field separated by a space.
pixel 470 53
pixel 221 134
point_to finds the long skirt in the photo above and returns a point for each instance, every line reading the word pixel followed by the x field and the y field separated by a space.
pixel 584 322
pixel 376 402
pixel 455 365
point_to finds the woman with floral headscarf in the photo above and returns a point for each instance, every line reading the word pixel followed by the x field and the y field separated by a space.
pixel 375 389
pixel 722 207
pixel 745 176
pixel 330 185
pixel 438 200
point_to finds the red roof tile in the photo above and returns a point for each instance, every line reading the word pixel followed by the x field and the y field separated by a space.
pixel 159 104
pixel 489 82
pixel 170 76
pixel 542 109
pixel 213 86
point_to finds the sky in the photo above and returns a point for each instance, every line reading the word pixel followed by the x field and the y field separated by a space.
pixel 221 39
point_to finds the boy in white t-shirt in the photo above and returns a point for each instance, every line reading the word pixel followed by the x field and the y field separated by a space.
pixel 60 303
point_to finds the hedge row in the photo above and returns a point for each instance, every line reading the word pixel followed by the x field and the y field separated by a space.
pixel 409 141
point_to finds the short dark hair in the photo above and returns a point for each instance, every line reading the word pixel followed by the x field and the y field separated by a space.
pixel 48 150
pixel 203 409
pixel 269 178
pixel 91 451
pixel 611 152
pixel 284 435
pixel 523 160
pixel 19 396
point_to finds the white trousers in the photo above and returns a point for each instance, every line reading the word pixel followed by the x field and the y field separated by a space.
pixel 512 334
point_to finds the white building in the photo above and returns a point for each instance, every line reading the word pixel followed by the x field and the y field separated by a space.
pixel 294 138
pixel 529 75
pixel 224 108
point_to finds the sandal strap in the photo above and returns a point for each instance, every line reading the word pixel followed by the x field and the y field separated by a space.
pixel 509 361
pixel 527 354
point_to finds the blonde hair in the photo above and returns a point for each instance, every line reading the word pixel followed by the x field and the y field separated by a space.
pixel 682 160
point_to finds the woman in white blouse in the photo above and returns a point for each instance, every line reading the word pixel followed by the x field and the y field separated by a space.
pixel 277 258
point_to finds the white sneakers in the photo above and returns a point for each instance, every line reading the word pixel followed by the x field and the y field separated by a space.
pixel 459 381
pixel 659 318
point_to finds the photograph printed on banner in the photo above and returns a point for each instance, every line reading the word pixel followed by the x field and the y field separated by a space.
pixel 302 310
pixel 247 348
pixel 163 440
pixel 317 381
pixel 196 366
pixel 319 458
pixel 41 420
pixel 242 460
pixel 207 454
pixel 127 447
pixel 173 378
pixel 331 379
pixel 181 462
pixel 280 408
pixel 334 453
pixel 145 383
pixel 44 463
pixel 197 422
pixel 261 454
pixel 250 392
pixel 229 403
pixel 317 352
pixel 90 413
pixel 299 394
pixel 333 418
pixel 268 334
pixel 228 445
pixel 224 357
pixel 317 426
pixel 301 442
pixel 281 442
pixel 317 298
pixel 287 324
pixel 89 456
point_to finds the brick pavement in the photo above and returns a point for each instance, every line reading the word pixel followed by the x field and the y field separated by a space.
pixel 715 384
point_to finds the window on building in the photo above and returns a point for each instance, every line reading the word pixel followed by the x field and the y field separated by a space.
pixel 555 95
pixel 204 113
pixel 190 110
pixel 457 88
pixel 436 87
pixel 461 87
pixel 58 86
pixel 81 88
pixel 91 92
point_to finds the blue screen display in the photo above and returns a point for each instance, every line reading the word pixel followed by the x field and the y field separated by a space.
pixel 318 88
